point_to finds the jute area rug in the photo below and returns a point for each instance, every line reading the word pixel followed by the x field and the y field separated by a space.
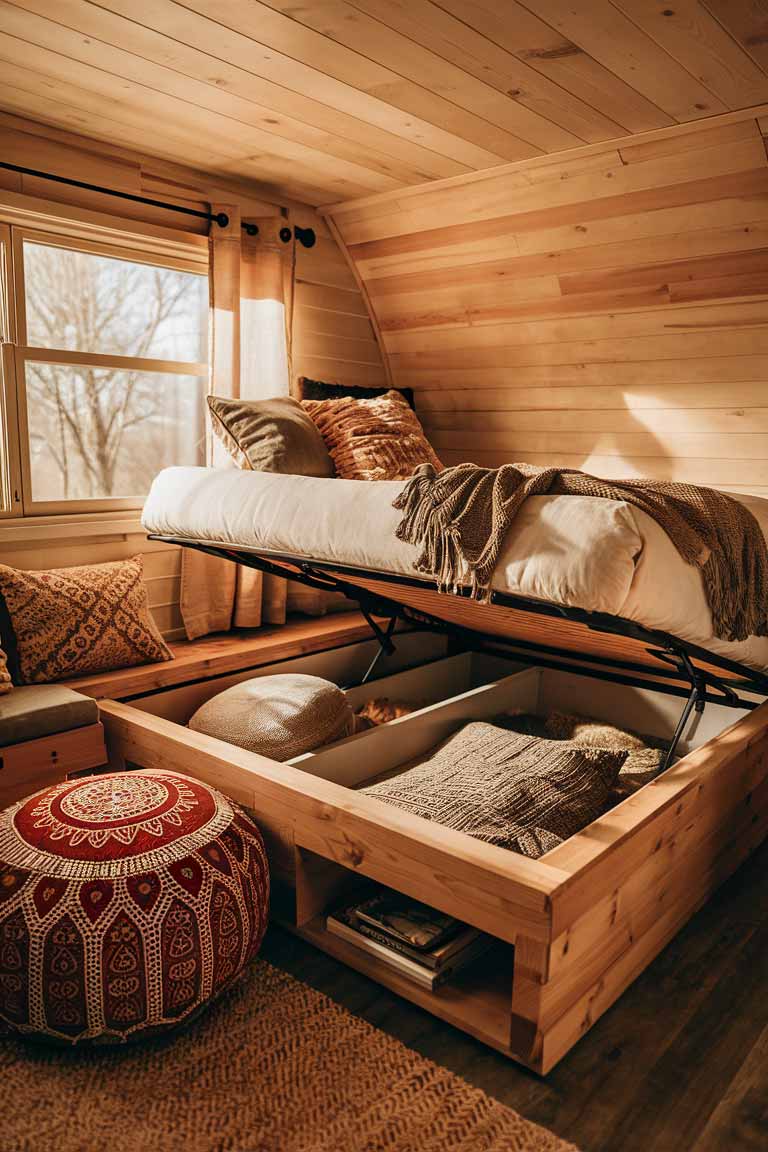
pixel 273 1067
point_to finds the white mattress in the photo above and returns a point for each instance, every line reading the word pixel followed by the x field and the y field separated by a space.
pixel 585 552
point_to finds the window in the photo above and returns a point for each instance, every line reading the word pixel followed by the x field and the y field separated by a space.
pixel 104 370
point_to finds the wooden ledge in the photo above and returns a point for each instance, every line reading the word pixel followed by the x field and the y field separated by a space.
pixel 228 652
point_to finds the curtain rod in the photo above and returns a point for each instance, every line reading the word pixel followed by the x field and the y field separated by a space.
pixel 305 236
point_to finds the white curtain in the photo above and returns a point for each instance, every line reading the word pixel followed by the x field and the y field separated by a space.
pixel 251 293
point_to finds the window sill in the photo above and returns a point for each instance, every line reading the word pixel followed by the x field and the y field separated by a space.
pixel 36 530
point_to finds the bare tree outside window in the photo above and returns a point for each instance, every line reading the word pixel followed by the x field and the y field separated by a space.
pixel 101 431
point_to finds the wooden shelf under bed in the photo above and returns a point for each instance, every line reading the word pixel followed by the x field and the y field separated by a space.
pixel 477 999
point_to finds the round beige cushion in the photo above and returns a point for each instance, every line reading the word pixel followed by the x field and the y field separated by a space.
pixel 278 716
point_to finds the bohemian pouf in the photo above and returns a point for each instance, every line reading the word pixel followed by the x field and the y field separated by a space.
pixel 127 901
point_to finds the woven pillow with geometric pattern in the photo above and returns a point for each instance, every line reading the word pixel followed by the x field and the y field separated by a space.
pixel 506 788
pixel 78 621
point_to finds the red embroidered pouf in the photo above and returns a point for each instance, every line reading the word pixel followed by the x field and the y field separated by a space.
pixel 127 902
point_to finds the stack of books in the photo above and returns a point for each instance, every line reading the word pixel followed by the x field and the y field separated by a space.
pixel 417 941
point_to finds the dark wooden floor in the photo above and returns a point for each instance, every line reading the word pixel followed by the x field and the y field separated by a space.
pixel 679 1064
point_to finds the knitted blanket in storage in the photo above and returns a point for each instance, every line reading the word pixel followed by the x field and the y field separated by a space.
pixel 459 518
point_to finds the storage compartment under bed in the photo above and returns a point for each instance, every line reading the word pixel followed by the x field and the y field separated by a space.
pixel 503 688
pixel 573 927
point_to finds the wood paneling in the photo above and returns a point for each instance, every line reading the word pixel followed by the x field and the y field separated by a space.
pixel 334 339
pixel 32 144
pixel 605 311
pixel 340 98
pixel 332 335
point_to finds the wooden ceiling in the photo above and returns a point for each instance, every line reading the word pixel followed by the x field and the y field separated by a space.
pixel 331 99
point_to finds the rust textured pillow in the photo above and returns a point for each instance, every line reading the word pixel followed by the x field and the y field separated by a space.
pixel 375 439
pixel 6 684
pixel 77 621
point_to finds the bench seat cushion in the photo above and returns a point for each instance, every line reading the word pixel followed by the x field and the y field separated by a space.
pixel 36 710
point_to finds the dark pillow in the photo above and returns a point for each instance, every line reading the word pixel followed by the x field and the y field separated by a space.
pixel 318 390
pixel 274 435
pixel 507 788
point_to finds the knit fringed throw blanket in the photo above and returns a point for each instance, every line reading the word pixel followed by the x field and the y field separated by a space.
pixel 459 517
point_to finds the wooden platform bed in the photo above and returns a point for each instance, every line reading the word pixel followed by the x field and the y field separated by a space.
pixel 575 927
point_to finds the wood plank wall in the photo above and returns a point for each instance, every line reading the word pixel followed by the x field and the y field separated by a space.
pixel 332 336
pixel 605 310
pixel 333 339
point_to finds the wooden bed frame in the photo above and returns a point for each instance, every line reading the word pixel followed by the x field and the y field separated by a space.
pixel 584 920
pixel 554 635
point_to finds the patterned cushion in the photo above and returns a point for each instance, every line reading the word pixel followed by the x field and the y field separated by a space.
pixel 278 716
pixel 77 621
pixel 376 439
pixel 37 710
pixel 506 788
pixel 270 436
pixel 645 754
pixel 127 901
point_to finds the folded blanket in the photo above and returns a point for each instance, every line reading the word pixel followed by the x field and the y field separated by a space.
pixel 381 710
pixel 645 754
pixel 507 788
pixel 460 516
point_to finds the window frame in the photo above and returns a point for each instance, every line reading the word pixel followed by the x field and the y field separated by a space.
pixel 156 247
pixel 11 504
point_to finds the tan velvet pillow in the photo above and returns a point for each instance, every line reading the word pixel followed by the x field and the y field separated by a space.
pixel 270 436
pixel 507 788
pixel 77 621
pixel 375 439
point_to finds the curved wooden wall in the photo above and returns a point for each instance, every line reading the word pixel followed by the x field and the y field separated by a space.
pixel 606 310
